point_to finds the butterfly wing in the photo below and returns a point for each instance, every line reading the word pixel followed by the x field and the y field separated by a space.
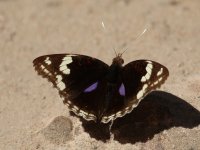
pixel 138 79
pixel 75 76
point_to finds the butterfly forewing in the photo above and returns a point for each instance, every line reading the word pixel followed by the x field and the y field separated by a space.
pixel 75 76
pixel 143 74
pixel 139 78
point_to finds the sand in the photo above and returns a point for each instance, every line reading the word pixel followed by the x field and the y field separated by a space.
pixel 32 115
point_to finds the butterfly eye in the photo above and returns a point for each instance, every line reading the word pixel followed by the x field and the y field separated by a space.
pixel 91 87
pixel 122 90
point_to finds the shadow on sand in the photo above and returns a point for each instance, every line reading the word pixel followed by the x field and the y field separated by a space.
pixel 156 112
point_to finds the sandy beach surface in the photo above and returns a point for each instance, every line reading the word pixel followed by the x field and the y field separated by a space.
pixel 33 116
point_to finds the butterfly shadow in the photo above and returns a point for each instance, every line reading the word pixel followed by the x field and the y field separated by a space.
pixel 157 112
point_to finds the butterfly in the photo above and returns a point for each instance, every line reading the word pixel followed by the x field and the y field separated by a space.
pixel 96 91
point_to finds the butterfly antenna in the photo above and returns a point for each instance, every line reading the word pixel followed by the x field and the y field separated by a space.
pixel 103 26
pixel 115 51
pixel 136 39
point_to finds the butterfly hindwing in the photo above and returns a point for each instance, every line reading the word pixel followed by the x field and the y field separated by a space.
pixel 75 76
pixel 138 79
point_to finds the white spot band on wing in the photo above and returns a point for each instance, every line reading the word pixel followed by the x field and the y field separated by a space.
pixel 63 66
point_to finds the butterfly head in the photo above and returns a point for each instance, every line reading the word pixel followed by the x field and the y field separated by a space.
pixel 118 59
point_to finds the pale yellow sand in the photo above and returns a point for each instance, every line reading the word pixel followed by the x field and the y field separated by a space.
pixel 32 115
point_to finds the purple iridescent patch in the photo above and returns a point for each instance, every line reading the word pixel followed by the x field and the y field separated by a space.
pixel 122 90
pixel 91 87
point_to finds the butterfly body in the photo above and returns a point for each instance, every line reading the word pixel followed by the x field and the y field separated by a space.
pixel 95 91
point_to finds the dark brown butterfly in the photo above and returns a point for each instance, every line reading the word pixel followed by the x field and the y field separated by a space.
pixel 96 91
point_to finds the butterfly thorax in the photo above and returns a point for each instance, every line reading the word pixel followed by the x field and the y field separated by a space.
pixel 113 73
pixel 114 70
